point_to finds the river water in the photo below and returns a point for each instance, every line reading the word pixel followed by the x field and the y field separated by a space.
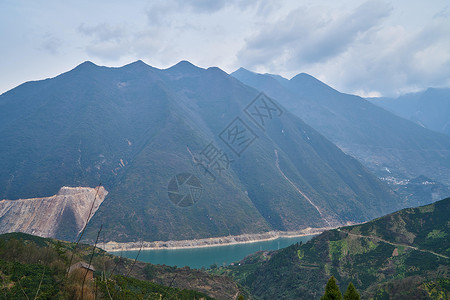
pixel 197 258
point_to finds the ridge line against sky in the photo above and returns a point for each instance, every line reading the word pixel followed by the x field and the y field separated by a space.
pixel 369 48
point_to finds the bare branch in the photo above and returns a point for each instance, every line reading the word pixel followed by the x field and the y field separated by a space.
pixel 84 228
pixel 90 262
pixel 40 283
pixel 18 281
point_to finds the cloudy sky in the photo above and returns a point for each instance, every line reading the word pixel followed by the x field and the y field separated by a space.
pixel 365 47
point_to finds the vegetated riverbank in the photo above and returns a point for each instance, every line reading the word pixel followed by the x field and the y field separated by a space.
pixel 210 242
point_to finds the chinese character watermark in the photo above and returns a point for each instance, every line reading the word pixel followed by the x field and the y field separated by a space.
pixel 184 189
pixel 262 109
pixel 213 161
pixel 238 136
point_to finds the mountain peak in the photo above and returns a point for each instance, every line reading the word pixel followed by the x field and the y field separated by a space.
pixel 305 76
pixel 85 65
pixel 242 70
pixel 252 78
pixel 307 81
pixel 137 65
pixel 217 70
pixel 242 73
pixel 184 66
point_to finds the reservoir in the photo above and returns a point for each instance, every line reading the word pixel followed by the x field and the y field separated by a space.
pixel 197 258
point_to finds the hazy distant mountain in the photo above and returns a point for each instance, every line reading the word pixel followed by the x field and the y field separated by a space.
pixel 385 143
pixel 135 128
pixel 430 108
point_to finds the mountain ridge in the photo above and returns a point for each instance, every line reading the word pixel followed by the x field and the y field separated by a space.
pixel 134 128
pixel 376 137
pixel 429 108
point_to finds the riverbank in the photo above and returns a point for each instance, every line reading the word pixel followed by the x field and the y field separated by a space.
pixel 211 242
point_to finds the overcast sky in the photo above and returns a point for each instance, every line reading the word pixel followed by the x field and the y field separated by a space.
pixel 362 47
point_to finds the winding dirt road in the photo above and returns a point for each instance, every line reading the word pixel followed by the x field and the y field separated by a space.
pixel 393 244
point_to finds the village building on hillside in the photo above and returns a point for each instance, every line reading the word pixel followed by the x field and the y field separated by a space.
pixel 83 266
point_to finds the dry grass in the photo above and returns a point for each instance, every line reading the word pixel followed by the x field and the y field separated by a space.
pixel 75 289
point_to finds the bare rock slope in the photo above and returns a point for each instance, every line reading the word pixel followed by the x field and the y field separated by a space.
pixel 70 207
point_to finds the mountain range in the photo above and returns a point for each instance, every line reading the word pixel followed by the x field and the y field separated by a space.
pixel 429 108
pixel 187 152
pixel 183 153
pixel 388 145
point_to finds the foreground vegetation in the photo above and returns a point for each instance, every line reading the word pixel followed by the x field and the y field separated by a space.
pixel 36 268
pixel 404 255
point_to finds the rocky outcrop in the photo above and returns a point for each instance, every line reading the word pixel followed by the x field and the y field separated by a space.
pixel 43 216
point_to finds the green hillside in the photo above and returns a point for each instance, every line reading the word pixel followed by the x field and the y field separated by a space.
pixel 135 127
pixel 36 268
pixel 404 255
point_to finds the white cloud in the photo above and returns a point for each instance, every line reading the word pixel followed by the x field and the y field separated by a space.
pixel 52 44
pixel 392 60
pixel 108 42
pixel 356 51
pixel 310 34
pixel 356 46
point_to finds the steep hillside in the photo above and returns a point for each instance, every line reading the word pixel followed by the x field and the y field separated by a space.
pixel 429 108
pixel 404 255
pixel 37 268
pixel 184 153
pixel 387 144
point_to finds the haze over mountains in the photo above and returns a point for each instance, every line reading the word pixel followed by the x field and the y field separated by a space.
pixel 135 127
pixel 429 108
pixel 388 145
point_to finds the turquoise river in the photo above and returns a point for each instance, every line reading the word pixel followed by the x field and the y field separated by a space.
pixel 197 258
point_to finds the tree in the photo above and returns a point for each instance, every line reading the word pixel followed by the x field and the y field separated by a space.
pixel 332 291
pixel 149 271
pixel 351 293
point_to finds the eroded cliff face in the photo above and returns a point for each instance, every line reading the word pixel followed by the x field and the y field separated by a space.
pixel 44 216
